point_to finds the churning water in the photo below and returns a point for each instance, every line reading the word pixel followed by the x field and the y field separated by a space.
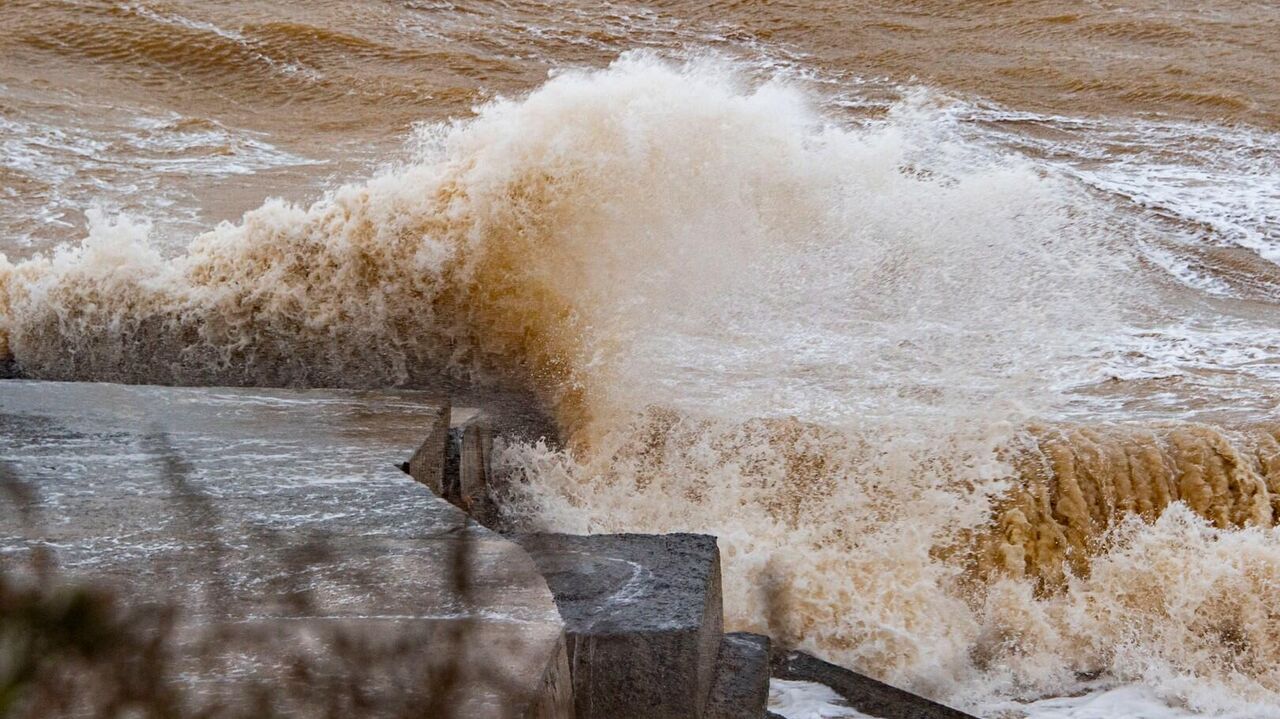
pixel 963 343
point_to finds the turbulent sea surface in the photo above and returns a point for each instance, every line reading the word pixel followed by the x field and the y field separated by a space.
pixel 957 322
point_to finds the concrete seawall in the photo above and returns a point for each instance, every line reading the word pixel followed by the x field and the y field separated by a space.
pixel 643 614
pixel 282 525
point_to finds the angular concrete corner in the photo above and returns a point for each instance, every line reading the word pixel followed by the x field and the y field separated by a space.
pixel 740 689
pixel 642 617
pixel 467 470
pixel 428 461
pixel 863 693
pixel 454 462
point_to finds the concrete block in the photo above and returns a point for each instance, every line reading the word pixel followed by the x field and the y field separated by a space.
pixel 863 693
pixel 740 689
pixel 642 617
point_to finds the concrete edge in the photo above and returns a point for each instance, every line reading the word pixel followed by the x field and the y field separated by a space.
pixel 453 463
pixel 427 463
pixel 740 689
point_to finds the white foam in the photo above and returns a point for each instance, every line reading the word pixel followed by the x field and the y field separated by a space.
pixel 1130 701
pixel 1223 180
pixel 116 159
pixel 808 700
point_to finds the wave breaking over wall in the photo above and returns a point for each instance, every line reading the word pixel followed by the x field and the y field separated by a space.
pixel 835 347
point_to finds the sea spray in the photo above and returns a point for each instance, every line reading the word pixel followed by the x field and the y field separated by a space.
pixel 550 232
pixel 826 344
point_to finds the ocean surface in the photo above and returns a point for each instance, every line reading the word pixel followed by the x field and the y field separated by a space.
pixel 956 321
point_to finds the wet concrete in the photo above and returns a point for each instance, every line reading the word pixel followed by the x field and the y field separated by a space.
pixel 740 689
pixel 277 522
pixel 643 619
pixel 284 528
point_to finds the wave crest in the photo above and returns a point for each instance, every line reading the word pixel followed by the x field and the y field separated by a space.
pixel 682 239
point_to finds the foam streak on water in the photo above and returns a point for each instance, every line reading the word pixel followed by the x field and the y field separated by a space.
pixel 123 159
pixel 1224 181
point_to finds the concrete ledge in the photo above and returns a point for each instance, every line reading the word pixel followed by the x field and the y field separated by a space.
pixel 454 462
pixel 642 618
pixel 863 693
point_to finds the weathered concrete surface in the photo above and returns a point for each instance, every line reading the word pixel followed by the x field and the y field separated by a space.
pixel 279 524
pixel 427 464
pixel 740 689
pixel 467 470
pixel 453 461
pixel 642 617
pixel 863 693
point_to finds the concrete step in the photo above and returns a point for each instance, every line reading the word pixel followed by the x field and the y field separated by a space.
pixel 642 616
